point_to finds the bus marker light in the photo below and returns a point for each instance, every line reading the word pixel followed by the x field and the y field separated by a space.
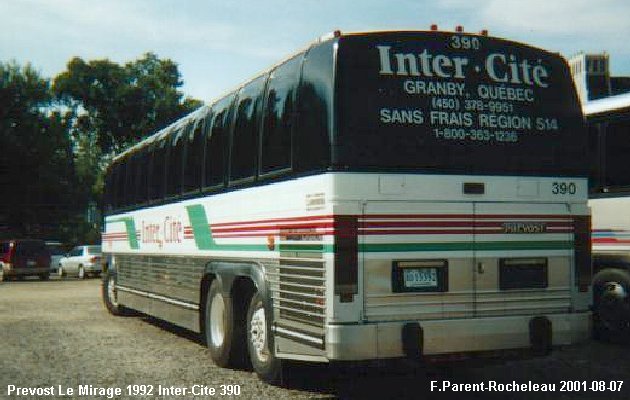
pixel 271 242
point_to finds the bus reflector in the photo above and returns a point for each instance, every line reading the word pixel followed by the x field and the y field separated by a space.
pixel 582 243
pixel 484 32
pixel 434 27
pixel 459 29
pixel 346 249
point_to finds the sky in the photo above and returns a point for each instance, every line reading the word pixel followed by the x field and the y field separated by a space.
pixel 219 44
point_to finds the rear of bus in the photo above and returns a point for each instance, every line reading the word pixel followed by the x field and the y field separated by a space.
pixel 459 196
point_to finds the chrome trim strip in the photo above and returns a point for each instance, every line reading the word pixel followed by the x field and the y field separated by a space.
pixel 298 335
pixel 180 303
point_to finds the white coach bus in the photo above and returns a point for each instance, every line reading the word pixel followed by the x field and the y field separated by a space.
pixel 377 195
pixel 609 142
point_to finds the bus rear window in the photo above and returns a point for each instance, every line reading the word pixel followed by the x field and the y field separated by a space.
pixel 449 102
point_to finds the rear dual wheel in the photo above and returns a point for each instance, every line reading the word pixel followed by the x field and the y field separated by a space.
pixel 234 338
pixel 264 361
pixel 611 290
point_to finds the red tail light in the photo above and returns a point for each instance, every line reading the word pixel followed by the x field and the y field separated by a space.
pixel 95 259
pixel 346 249
pixel 8 256
pixel 582 243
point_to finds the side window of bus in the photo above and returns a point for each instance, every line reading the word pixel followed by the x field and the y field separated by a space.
pixel 156 178
pixel 216 144
pixel 244 144
pixel 194 156
pixel 279 116
pixel 315 110
pixel 120 184
pixel 142 175
pixel 174 168
pixel 130 188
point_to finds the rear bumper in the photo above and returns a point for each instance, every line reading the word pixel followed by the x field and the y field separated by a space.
pixel 92 268
pixel 8 270
pixel 385 339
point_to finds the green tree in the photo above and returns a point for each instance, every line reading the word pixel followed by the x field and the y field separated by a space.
pixel 113 106
pixel 36 163
pixel 122 103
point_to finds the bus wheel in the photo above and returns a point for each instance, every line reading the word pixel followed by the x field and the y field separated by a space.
pixel 110 295
pixel 611 303
pixel 264 362
pixel 219 325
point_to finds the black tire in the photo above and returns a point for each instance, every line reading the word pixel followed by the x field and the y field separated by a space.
pixel 110 295
pixel 264 362
pixel 44 277
pixel 224 343
pixel 611 305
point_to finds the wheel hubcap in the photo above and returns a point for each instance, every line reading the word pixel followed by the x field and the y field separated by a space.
pixel 616 290
pixel 111 291
pixel 613 306
pixel 258 334
pixel 217 320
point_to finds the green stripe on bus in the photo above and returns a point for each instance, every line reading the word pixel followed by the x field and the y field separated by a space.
pixel 130 227
pixel 200 227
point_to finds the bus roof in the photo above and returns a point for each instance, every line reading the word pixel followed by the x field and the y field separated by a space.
pixel 202 112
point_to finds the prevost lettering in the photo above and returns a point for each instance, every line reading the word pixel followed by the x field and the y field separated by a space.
pixel 499 67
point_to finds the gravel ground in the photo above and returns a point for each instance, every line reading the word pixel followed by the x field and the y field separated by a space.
pixel 57 333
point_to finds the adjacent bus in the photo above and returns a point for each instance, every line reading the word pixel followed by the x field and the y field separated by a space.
pixel 609 142
pixel 376 195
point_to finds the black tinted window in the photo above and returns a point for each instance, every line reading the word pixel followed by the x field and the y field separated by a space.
pixel 156 179
pixel 29 247
pixel 121 179
pixel 195 150
pixel 315 102
pixel 216 143
pixel 246 128
pixel 174 170
pixel 279 116
pixel 142 175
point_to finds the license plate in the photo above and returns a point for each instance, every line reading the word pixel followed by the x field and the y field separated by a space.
pixel 420 277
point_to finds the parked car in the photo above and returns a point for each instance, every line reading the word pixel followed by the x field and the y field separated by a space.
pixel 57 251
pixel 81 262
pixel 24 257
